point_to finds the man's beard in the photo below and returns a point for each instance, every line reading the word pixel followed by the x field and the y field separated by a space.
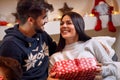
pixel 38 29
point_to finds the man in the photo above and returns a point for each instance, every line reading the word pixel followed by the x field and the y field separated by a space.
pixel 27 41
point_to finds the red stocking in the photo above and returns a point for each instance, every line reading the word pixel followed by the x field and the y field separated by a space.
pixel 98 26
pixel 111 27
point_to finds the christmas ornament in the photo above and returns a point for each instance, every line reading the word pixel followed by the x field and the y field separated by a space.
pixel 66 8
pixel 102 8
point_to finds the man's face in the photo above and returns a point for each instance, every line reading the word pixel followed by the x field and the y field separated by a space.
pixel 40 22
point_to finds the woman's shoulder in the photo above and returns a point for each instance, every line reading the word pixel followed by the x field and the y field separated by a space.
pixel 56 56
pixel 92 41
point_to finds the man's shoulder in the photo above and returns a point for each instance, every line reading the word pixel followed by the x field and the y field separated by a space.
pixel 45 34
pixel 9 39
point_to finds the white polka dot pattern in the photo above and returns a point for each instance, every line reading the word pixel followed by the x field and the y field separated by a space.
pixel 77 69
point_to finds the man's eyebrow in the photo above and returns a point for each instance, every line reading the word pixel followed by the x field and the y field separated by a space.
pixel 45 16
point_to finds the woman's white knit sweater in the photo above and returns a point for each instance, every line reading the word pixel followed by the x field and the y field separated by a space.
pixel 90 49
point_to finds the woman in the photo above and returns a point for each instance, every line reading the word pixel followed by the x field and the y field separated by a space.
pixel 74 43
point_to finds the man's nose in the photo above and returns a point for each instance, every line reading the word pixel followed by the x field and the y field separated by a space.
pixel 46 20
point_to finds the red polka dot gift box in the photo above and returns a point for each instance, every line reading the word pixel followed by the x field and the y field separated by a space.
pixel 77 69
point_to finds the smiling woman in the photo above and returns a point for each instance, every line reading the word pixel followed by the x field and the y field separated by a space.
pixel 74 44
pixel 67 29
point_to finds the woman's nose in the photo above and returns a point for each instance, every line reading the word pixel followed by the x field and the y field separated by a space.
pixel 64 25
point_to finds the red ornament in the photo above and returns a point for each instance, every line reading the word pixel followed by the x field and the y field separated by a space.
pixel 111 27
pixel 102 8
pixel 3 23
pixel 99 25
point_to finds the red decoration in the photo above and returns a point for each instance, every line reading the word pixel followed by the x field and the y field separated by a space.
pixel 111 27
pixel 105 10
pixel 3 23
pixel 99 25
pixel 77 69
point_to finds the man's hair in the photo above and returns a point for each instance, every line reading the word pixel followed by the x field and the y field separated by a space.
pixel 31 8
pixel 11 68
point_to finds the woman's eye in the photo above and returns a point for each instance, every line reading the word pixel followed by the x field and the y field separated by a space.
pixel 68 23
pixel 61 23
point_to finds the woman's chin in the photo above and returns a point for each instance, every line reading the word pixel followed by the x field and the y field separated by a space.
pixel 66 37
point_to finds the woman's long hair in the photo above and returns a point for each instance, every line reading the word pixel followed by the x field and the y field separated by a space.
pixel 79 24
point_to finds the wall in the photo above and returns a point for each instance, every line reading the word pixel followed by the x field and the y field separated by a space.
pixel 81 6
pixel 7 6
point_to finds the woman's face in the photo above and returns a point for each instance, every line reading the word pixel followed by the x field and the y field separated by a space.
pixel 67 29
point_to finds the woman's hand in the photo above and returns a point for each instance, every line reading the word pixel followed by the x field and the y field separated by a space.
pixel 98 72
pixel 51 76
pixel 99 69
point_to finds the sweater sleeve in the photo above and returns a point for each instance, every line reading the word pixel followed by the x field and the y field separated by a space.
pixel 10 49
pixel 55 58
pixel 51 43
pixel 51 62
pixel 108 68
